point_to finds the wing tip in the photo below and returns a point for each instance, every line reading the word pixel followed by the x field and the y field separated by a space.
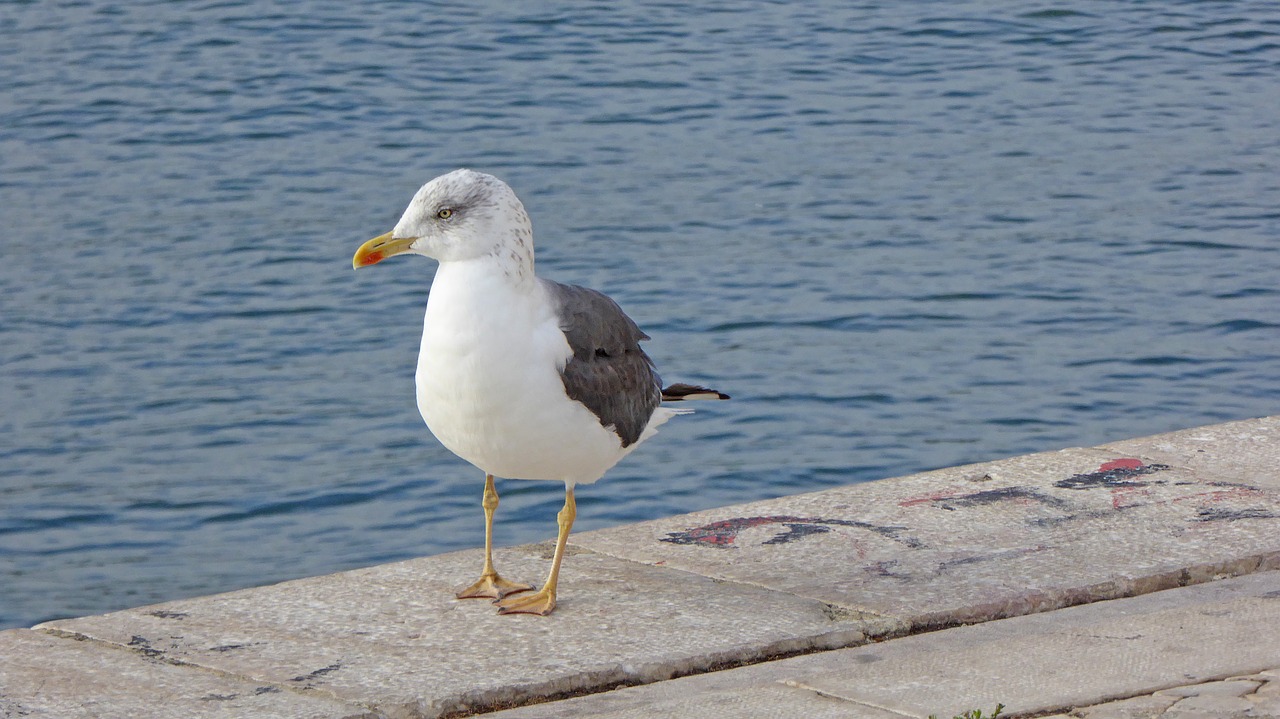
pixel 681 392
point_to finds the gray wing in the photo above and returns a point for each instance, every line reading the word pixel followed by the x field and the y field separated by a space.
pixel 608 372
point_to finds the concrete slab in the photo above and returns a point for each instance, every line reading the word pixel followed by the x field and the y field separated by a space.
pixel 1245 453
pixel 1254 697
pixel 45 676
pixel 393 638
pixel 1033 664
pixel 1143 707
pixel 979 542
pixel 746 584
pixel 1071 657
pixel 755 702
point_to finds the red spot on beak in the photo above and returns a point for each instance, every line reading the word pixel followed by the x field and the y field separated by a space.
pixel 372 258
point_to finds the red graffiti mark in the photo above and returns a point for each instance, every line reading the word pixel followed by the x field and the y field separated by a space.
pixel 1221 495
pixel 1116 473
pixel 859 549
pixel 1120 496
pixel 931 497
pixel 1125 463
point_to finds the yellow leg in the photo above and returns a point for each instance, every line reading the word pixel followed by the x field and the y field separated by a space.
pixel 490 585
pixel 544 600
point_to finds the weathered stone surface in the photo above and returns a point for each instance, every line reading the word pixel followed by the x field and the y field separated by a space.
pixel 752 692
pixel 644 603
pixel 46 676
pixel 1055 661
pixel 393 637
pixel 979 542
pixel 1144 707
pixel 1233 688
pixel 1270 688
pixel 753 702
pixel 1071 657
pixel 1248 697
pixel 1244 454
pixel 1209 706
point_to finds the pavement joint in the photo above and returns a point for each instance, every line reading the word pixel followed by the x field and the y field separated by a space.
pixel 1255 696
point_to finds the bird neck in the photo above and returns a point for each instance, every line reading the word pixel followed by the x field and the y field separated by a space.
pixel 513 258
pixel 496 273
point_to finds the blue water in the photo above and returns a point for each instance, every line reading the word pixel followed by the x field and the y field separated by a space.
pixel 902 235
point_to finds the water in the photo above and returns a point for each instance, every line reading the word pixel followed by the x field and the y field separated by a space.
pixel 902 235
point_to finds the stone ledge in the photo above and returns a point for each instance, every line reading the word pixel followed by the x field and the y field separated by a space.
pixel 42 675
pixel 739 585
pixel 998 539
pixel 1146 648
pixel 393 637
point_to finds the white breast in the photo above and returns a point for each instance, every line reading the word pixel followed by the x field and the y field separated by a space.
pixel 488 380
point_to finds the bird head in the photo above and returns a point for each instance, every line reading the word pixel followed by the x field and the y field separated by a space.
pixel 462 215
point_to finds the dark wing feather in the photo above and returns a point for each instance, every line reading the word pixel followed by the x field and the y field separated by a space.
pixel 608 372
pixel 680 392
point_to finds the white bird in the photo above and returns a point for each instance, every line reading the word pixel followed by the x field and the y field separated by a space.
pixel 523 377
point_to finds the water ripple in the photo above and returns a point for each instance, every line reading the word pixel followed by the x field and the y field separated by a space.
pixel 904 236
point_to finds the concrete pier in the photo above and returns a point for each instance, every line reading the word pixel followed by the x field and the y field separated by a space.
pixel 1136 578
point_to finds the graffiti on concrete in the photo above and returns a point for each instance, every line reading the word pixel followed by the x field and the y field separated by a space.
pixel 1129 481
pixel 1116 473
pixel 725 532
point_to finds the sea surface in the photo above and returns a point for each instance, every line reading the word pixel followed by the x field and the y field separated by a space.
pixel 903 235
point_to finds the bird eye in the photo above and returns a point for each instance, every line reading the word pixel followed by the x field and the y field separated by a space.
pixel 444 213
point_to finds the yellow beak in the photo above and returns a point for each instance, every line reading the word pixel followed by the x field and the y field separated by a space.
pixel 379 249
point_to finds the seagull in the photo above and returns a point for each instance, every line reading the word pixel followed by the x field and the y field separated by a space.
pixel 522 377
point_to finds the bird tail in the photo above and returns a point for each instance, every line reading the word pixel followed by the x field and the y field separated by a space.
pixel 681 392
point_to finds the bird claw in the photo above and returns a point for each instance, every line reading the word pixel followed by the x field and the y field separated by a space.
pixel 540 603
pixel 492 586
